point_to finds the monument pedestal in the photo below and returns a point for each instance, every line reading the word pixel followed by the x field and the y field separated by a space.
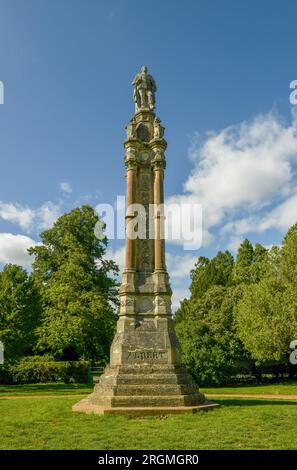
pixel 145 374
pixel 142 389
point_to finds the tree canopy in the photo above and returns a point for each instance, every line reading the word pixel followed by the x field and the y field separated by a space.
pixel 77 288
pixel 241 315
pixel 20 311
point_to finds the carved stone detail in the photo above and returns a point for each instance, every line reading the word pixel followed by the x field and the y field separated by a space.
pixel 158 129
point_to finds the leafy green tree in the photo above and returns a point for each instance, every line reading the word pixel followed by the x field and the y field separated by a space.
pixel 260 265
pixel 206 330
pixel 207 273
pixel 266 318
pixel 243 266
pixel 241 314
pixel 200 279
pixel 20 311
pixel 77 287
pixel 288 264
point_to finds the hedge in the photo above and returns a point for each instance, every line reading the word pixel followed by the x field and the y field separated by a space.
pixel 27 372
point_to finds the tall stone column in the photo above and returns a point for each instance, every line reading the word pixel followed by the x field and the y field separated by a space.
pixel 129 248
pixel 159 214
pixel 145 374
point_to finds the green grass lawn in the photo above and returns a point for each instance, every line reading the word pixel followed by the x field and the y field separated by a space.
pixel 285 388
pixel 43 423
pixel 45 389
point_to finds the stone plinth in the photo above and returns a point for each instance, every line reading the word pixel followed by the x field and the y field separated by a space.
pixel 85 406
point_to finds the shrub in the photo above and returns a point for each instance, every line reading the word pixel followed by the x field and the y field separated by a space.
pixel 5 376
pixel 26 372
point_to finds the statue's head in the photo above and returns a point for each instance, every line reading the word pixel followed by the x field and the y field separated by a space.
pixel 144 69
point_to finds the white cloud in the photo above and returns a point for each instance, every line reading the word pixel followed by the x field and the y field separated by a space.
pixel 177 296
pixel 245 169
pixel 184 221
pixel 179 266
pixel 47 214
pixel 66 187
pixel 15 213
pixel 27 218
pixel 13 249
pixel 234 243
pixel 282 216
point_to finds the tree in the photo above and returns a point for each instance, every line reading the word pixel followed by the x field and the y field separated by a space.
pixel 242 314
pixel 205 323
pixel 266 319
pixel 77 287
pixel 206 330
pixel 20 311
pixel 266 316
pixel 243 266
pixel 207 273
pixel 260 263
pixel 288 264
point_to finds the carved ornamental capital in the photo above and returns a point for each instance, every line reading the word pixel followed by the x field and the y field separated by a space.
pixel 159 162
pixel 130 164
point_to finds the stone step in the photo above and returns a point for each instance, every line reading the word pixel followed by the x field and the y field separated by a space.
pixel 86 407
pixel 145 389
pixel 147 401
pixel 146 370
pixel 149 379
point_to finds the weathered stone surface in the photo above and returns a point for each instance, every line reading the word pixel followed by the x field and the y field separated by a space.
pixel 85 407
pixel 145 370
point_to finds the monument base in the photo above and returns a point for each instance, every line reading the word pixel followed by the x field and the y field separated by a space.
pixel 85 406
pixel 140 390
pixel 145 375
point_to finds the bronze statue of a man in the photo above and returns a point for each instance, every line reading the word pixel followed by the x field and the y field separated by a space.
pixel 144 90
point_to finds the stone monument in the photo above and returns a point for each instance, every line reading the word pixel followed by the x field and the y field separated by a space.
pixel 145 374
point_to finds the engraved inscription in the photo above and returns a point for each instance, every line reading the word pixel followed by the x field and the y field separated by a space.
pixel 146 355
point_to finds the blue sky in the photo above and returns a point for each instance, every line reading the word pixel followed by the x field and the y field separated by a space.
pixel 223 70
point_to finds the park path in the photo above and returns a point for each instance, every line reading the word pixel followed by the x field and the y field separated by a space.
pixel 209 395
pixel 253 395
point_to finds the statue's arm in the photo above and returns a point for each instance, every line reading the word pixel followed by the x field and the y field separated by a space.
pixel 135 80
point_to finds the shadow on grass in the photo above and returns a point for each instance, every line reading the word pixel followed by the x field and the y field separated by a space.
pixel 255 402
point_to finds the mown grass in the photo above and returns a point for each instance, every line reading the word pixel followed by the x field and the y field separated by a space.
pixel 49 423
pixel 285 388
pixel 45 389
